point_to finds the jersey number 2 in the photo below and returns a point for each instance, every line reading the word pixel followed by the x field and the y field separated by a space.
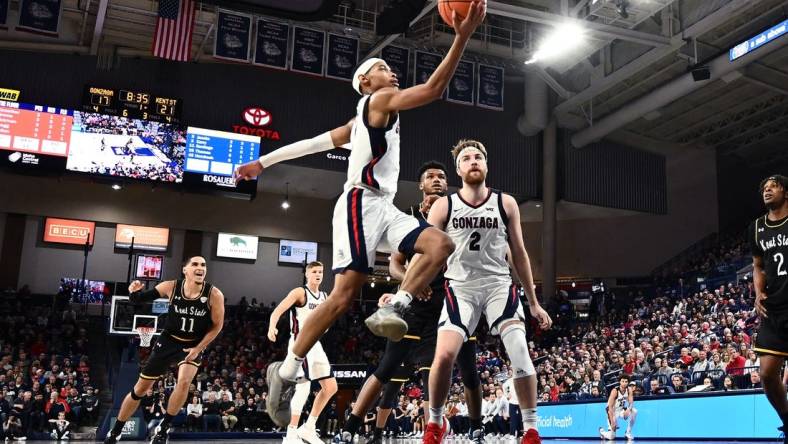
pixel 191 325
pixel 474 245
pixel 780 270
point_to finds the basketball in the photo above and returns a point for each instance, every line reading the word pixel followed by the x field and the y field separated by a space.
pixel 445 7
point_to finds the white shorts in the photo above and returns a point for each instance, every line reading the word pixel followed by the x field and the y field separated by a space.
pixel 316 365
pixel 496 297
pixel 365 222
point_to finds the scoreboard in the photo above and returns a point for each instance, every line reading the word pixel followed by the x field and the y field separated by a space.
pixel 37 137
pixel 132 104
pixel 211 158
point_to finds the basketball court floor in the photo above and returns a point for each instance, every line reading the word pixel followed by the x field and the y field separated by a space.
pixel 457 441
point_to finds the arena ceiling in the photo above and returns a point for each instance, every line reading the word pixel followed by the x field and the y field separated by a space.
pixel 623 58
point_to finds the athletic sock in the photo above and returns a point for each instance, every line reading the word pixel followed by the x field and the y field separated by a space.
pixel 311 422
pixel 436 415
pixel 353 424
pixel 402 297
pixel 476 424
pixel 117 428
pixel 165 423
pixel 291 365
pixel 292 431
pixel 529 419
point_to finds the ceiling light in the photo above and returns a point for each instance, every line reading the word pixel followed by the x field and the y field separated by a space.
pixel 562 39
pixel 573 285
pixel 372 284
pixel 286 202
pixel 116 186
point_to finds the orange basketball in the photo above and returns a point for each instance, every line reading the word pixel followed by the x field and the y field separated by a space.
pixel 445 7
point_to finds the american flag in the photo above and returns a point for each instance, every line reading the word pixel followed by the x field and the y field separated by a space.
pixel 174 26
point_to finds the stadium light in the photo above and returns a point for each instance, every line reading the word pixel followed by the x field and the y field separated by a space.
pixel 563 39
pixel 116 186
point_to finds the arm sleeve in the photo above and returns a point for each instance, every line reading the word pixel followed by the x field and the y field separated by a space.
pixel 298 149
pixel 139 297
pixel 752 236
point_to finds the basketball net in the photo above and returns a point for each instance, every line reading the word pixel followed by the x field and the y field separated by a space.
pixel 145 334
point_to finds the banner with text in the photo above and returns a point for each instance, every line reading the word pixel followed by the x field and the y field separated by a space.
pixel 233 36
pixel 463 84
pixel 41 16
pixel 342 57
pixel 490 87
pixel 308 47
pixel 271 44
pixel 426 64
pixel 398 60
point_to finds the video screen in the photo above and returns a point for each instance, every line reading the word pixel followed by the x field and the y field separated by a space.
pixel 212 156
pixel 297 252
pixel 34 138
pixel 130 148
pixel 149 267
pixel 91 292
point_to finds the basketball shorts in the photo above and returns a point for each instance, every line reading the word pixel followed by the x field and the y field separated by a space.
pixel 167 351
pixel 495 297
pixel 315 366
pixel 772 338
pixel 365 222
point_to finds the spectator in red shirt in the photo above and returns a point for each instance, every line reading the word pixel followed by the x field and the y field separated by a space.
pixel 736 366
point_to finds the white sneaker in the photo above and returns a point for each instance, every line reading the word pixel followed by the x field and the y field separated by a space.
pixel 309 435
pixel 607 434
pixel 292 439
pixel 629 435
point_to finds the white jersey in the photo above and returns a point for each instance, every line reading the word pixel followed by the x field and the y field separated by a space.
pixel 622 400
pixel 374 154
pixel 480 238
pixel 299 314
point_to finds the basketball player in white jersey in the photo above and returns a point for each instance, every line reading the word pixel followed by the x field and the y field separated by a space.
pixel 365 218
pixel 484 225
pixel 301 302
pixel 620 405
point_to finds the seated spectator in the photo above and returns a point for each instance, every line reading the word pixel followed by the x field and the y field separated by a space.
pixel 657 389
pixel 728 385
pixel 59 427
pixel 12 428
pixel 90 406
pixel 211 415
pixel 194 415
pixel 753 361
pixel 754 381
pixel 677 381
pixel 248 416
pixel 736 365
pixel 227 412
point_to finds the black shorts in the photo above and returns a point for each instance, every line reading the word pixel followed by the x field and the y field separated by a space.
pixel 166 352
pixel 772 336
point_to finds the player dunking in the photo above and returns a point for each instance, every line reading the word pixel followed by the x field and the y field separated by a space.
pixel 769 244
pixel 620 405
pixel 365 217
pixel 301 302
pixel 194 319
pixel 484 224
pixel 418 345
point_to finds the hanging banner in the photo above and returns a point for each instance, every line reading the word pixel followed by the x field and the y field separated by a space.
pixel 4 13
pixel 463 84
pixel 490 87
pixel 41 16
pixel 426 64
pixel 271 44
pixel 233 36
pixel 342 57
pixel 398 60
pixel 308 46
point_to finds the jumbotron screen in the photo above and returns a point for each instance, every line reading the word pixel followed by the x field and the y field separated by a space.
pixel 34 137
pixel 130 148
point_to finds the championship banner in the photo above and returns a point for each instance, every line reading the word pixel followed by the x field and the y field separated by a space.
pixel 308 46
pixel 462 84
pixel 271 44
pixel 426 64
pixel 490 87
pixel 233 36
pixel 398 60
pixel 342 57
pixel 40 16
pixel 4 13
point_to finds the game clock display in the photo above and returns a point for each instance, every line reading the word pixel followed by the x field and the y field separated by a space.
pixel 132 104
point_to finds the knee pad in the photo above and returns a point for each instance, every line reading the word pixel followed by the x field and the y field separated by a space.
pixel 134 395
pixel 299 398
pixel 516 345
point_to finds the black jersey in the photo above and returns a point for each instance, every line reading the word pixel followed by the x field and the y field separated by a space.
pixel 769 240
pixel 189 319
pixel 434 305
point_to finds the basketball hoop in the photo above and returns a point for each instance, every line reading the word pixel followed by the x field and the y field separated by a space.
pixel 145 334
